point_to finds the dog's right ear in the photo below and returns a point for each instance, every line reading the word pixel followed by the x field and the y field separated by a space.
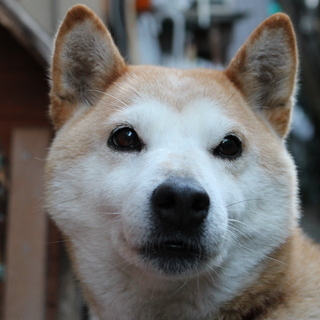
pixel 265 71
pixel 85 62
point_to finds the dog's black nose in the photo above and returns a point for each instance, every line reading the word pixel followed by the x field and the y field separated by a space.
pixel 181 202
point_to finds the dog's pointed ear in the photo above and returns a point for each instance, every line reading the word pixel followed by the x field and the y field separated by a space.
pixel 85 62
pixel 265 69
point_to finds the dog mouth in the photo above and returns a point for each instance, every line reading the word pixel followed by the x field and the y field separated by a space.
pixel 176 248
pixel 173 256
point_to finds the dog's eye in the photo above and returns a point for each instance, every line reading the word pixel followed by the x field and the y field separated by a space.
pixel 125 139
pixel 229 148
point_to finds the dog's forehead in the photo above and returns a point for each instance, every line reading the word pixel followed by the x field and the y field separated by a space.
pixel 174 87
pixel 145 91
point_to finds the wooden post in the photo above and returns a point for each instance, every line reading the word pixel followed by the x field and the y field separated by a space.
pixel 27 227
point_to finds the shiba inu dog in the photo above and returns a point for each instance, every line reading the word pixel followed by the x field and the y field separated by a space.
pixel 173 188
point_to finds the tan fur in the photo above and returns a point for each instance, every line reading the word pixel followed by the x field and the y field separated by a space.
pixel 285 290
pixel 256 90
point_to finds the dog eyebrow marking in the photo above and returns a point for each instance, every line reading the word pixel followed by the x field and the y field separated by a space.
pixel 111 96
pixel 232 95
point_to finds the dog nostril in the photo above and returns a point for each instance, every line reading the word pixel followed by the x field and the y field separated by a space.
pixel 201 202
pixel 181 202
pixel 165 201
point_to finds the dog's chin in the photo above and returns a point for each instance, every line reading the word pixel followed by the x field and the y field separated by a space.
pixel 173 258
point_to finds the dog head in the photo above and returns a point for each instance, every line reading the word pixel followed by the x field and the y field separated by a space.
pixel 173 173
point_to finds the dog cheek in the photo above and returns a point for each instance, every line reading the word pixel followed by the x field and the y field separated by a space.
pixel 131 193
pixel 137 216
pixel 217 220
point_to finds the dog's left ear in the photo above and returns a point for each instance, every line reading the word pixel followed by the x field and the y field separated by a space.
pixel 85 62
pixel 265 69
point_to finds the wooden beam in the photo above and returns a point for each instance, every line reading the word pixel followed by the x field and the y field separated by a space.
pixel 25 284
pixel 54 248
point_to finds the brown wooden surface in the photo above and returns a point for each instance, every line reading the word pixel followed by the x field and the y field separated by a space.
pixel 23 101
pixel 27 228
pixel 54 248
pixel 24 104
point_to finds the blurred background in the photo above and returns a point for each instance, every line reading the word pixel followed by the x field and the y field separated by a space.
pixel 35 278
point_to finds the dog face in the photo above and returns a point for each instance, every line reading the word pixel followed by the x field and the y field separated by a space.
pixel 170 173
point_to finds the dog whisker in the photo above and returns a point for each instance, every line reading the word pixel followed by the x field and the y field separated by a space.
pixel 111 96
pixel 110 213
pixel 123 263
pixel 211 280
pixel 242 201
pixel 58 241
pixel 263 235
pixel 276 260
pixel 181 287
pixel 234 92
pixel 61 202
pixel 198 280
pixel 241 233
pixel 246 248
pixel 190 289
